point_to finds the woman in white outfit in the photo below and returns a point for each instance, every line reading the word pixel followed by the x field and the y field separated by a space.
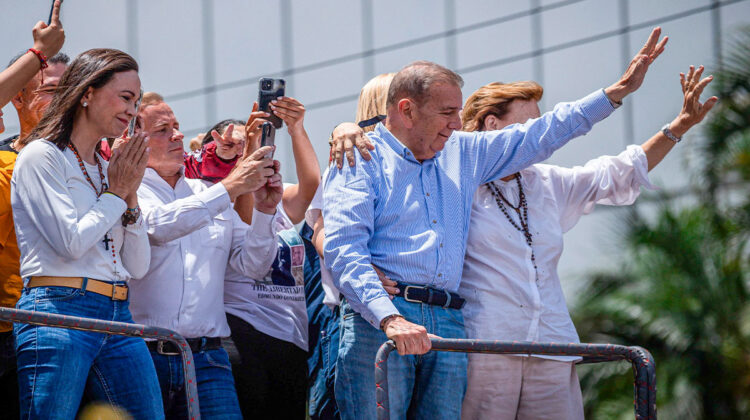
pixel 510 278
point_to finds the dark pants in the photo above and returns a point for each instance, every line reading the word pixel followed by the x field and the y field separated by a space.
pixel 270 374
pixel 8 377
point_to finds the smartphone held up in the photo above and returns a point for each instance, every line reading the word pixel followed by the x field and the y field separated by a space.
pixel 269 90
pixel 268 137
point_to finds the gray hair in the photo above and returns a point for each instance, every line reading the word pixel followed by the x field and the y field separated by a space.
pixel 59 58
pixel 414 81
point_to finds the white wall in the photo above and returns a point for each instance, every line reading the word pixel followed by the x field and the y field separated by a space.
pixel 327 49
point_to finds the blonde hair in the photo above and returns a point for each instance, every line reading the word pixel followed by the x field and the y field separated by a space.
pixel 372 98
pixel 493 99
pixel 150 98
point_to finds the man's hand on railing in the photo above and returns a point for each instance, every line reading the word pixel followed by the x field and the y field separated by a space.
pixel 410 338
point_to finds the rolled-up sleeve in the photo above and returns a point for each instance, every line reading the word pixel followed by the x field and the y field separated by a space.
pixel 608 180
pixel 349 199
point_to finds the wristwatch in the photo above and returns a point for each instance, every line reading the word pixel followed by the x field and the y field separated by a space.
pixel 670 135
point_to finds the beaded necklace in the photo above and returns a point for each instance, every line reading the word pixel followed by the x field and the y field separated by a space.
pixel 107 241
pixel 523 214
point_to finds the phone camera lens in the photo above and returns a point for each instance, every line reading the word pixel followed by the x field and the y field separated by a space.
pixel 267 84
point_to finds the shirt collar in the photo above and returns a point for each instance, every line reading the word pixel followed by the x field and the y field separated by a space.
pixel 396 145
pixel 151 176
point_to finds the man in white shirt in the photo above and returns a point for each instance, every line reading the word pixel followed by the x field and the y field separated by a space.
pixel 194 233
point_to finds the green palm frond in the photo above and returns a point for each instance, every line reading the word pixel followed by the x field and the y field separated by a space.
pixel 683 291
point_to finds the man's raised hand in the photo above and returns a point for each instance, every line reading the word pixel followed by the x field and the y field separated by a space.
pixel 49 38
pixel 636 71
pixel 251 173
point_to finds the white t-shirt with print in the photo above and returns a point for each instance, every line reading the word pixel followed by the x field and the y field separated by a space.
pixel 274 305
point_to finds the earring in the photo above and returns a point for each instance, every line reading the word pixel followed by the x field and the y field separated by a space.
pixel 85 104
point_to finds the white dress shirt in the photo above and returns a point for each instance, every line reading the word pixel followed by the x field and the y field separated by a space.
pixel 504 299
pixel 60 223
pixel 194 233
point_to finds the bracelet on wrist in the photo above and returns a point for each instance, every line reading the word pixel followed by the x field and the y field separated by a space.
pixel 670 135
pixel 131 216
pixel 42 58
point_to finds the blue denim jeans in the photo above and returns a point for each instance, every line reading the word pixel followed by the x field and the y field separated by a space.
pixel 56 365
pixel 430 386
pixel 323 341
pixel 322 404
pixel 216 394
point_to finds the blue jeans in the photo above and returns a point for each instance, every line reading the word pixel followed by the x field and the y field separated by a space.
pixel 430 386
pixel 56 365
pixel 216 394
pixel 323 332
pixel 322 404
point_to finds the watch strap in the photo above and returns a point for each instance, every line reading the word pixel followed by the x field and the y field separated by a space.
pixel 670 135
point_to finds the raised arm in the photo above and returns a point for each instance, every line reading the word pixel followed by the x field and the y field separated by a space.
pixel 693 112
pixel 505 152
pixel 298 197
pixel 48 40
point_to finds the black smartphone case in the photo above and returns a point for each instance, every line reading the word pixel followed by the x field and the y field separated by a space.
pixel 268 90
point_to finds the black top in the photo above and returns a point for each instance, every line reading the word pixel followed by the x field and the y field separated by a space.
pixel 5 144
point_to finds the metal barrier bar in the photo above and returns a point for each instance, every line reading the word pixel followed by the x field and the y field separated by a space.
pixel 46 319
pixel 644 369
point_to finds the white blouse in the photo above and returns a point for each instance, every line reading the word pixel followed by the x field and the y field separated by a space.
pixel 332 297
pixel 60 223
pixel 505 301
pixel 194 233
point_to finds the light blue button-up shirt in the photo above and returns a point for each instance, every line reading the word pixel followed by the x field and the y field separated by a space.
pixel 411 219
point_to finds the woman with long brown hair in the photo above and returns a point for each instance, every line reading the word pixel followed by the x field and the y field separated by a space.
pixel 82 239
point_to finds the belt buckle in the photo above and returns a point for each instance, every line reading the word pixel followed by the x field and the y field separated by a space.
pixel 117 295
pixel 160 349
pixel 406 294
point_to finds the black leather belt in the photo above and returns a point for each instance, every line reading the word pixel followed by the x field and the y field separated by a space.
pixel 430 296
pixel 168 348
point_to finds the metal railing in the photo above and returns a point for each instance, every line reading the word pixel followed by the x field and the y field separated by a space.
pixel 644 369
pixel 116 328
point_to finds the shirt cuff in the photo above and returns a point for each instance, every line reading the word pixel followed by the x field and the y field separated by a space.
pixel 597 106
pixel 137 226
pixel 112 205
pixel 263 224
pixel 216 199
pixel 640 165
pixel 379 308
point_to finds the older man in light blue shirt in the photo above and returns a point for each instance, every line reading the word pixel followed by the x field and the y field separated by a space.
pixel 406 211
